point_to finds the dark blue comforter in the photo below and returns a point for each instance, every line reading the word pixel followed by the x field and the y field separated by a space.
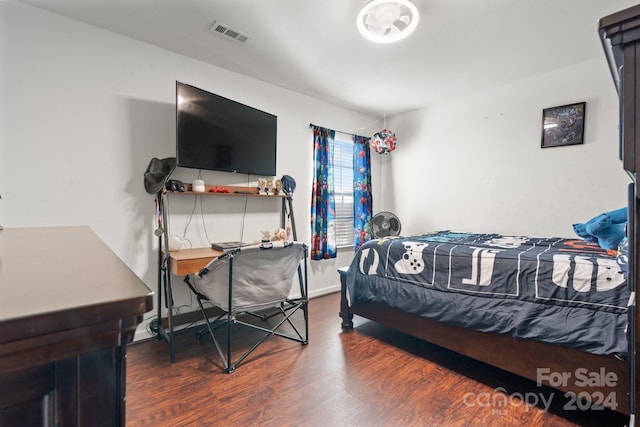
pixel 561 291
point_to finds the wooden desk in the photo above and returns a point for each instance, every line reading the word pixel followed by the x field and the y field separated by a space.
pixel 181 263
pixel 69 307
pixel 191 261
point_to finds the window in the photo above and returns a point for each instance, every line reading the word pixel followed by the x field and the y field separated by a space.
pixel 343 189
pixel 342 179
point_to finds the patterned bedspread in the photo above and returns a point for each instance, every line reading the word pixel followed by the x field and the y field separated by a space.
pixel 562 291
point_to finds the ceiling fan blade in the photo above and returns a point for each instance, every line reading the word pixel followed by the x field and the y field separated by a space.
pixel 371 20
pixel 378 31
pixel 387 12
pixel 405 19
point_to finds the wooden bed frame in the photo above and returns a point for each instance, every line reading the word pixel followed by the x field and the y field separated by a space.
pixel 521 357
pixel 620 36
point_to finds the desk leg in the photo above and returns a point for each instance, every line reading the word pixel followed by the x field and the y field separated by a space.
pixel 159 293
pixel 169 298
pixel 168 333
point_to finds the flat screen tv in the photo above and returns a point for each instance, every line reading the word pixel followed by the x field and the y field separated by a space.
pixel 219 134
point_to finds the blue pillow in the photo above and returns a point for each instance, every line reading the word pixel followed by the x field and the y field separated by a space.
pixel 607 229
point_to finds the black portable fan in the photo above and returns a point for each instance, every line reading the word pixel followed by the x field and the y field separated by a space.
pixel 385 224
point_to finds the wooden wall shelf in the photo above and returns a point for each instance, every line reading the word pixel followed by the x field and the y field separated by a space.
pixel 232 191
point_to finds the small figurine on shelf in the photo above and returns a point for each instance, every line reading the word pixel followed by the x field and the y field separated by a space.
pixel 280 235
pixel 270 187
pixel 278 186
pixel 266 240
pixel 262 186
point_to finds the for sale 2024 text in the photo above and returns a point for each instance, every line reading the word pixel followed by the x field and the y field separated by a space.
pixel 597 385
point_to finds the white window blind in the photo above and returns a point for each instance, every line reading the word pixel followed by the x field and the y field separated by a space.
pixel 343 189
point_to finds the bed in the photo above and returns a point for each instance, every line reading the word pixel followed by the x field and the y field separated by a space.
pixel 553 310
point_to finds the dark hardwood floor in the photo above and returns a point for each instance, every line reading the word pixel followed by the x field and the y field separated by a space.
pixel 371 376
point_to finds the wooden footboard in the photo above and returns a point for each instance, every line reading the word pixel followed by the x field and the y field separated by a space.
pixel 603 379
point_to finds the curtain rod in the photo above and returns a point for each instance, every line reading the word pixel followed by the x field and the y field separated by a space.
pixel 348 133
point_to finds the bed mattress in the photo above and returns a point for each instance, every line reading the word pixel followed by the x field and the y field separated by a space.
pixel 561 291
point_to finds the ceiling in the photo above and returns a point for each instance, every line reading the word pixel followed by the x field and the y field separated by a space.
pixel 313 46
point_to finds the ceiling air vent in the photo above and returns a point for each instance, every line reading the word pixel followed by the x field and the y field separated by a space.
pixel 225 30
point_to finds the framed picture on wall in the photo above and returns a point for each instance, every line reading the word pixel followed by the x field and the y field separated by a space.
pixel 563 125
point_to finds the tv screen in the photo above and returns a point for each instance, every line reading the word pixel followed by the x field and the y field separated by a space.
pixel 219 134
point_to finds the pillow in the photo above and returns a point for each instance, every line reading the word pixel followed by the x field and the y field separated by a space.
pixel 607 229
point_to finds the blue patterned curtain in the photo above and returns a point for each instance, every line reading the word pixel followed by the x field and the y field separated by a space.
pixel 362 199
pixel 323 237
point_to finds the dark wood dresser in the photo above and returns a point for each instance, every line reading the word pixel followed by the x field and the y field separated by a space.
pixel 620 36
pixel 68 308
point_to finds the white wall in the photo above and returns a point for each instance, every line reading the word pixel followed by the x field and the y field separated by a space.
pixel 475 163
pixel 83 110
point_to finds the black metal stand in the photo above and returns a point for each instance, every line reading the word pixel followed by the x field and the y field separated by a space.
pixel 164 285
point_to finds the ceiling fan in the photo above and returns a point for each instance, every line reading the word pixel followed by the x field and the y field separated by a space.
pixel 387 21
